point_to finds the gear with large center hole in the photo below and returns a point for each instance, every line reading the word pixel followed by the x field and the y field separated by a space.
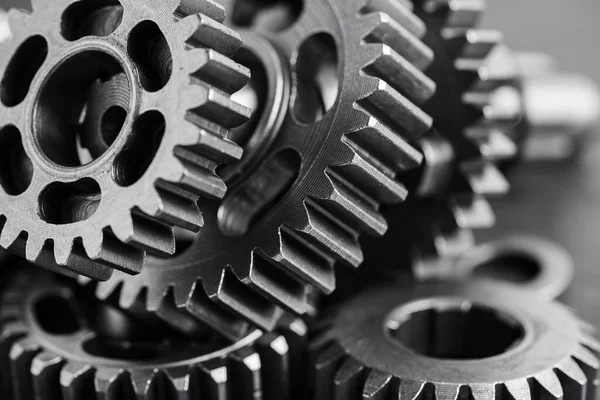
pixel 59 342
pixel 336 90
pixel 453 341
pixel 71 208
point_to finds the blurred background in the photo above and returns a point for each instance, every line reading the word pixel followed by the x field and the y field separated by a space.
pixel 560 201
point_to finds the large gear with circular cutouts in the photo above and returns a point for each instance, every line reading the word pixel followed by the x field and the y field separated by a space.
pixel 334 130
pixel 452 341
pixel 94 350
pixel 66 208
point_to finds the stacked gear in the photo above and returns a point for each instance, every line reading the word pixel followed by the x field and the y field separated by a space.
pixel 198 175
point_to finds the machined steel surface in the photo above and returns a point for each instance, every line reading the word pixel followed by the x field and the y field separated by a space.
pixel 65 206
pixel 448 340
pixel 92 350
pixel 337 93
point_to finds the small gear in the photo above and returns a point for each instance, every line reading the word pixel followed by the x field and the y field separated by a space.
pixel 62 206
pixel 54 345
pixel 453 341
pixel 474 111
pixel 337 90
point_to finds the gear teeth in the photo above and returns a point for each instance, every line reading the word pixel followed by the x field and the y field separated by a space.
pixel 210 8
pixel 212 145
pixel 45 373
pixel 573 379
pixel 349 380
pixel 77 381
pixel 219 71
pixel 496 146
pixel 473 213
pixel 218 107
pixel 146 233
pixel 245 366
pixel 326 230
pixel 399 12
pixel 446 391
pixel 324 369
pixel 21 355
pixel 459 13
pixel 114 384
pixel 472 44
pixel 236 296
pixel 178 208
pixel 203 31
pixel 275 357
pixel 202 181
pixel 394 35
pixel 453 243
pixel 549 384
pixel 519 389
pixel 303 258
pixel 485 180
pixel 413 390
pixel 379 386
pixel 586 358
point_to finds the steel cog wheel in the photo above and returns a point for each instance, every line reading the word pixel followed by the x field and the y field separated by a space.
pixel 343 79
pixel 452 341
pixel 75 357
pixel 63 206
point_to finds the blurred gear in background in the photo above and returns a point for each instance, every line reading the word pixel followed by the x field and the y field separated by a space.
pixel 333 131
pixel 164 140
pixel 453 340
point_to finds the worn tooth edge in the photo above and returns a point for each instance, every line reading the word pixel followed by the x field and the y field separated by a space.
pixel 401 75
pixel 210 8
pixel 332 235
pixel 203 31
pixel 400 12
pixel 307 260
pixel 391 33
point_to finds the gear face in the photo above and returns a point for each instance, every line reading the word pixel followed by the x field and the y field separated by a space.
pixel 67 206
pixel 339 84
pixel 454 340
pixel 54 345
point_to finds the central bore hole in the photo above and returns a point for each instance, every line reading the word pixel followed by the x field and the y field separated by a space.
pixel 63 105
pixel 462 332
pixel 509 268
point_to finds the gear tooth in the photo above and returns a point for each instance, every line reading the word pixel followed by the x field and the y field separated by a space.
pixel 324 368
pixel 151 385
pixel 267 278
pixel 21 356
pixel 453 243
pixel 590 341
pixel 219 71
pixel 401 75
pixel 218 107
pixel 446 391
pixel 236 296
pixel 573 379
pixel 459 13
pixel 501 105
pixel 349 379
pixel 108 289
pixel 178 208
pixel 398 11
pixel 306 260
pixel 34 247
pixel 274 354
pixel 210 144
pixel 497 146
pixel 245 373
pixel 486 180
pixel 371 180
pixel 174 311
pixel 483 391
pixel 211 380
pixel 143 232
pixel 203 31
pixel 475 213
pixel 380 386
pixel 391 33
pixel 210 8
pixel 77 381
pixel 350 206
pixel 586 357
pixel 411 390
pixel 550 385
pixel 9 235
pixel 330 234
pixel 202 181
pixel 45 373
pixel 474 44
pixel 114 384
pixel 519 389
pixel 114 253
pixel 407 119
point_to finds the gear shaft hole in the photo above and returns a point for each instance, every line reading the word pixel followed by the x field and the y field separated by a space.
pixel 266 15
pixel 509 268
pixel 91 18
pixel 148 48
pixel 316 78
pixel 22 69
pixel 56 316
pixel 67 203
pixel 457 331
pixel 16 169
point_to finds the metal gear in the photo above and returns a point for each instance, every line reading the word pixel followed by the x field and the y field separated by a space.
pixel 454 341
pixel 341 84
pixel 91 215
pixel 51 348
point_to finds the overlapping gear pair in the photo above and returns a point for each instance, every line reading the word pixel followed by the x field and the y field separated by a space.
pixel 345 111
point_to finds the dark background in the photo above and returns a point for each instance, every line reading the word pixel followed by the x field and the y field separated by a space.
pixel 560 201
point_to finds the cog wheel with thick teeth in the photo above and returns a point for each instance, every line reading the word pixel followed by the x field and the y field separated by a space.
pixel 88 349
pixel 337 89
pixel 453 341
pixel 475 109
pixel 60 205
